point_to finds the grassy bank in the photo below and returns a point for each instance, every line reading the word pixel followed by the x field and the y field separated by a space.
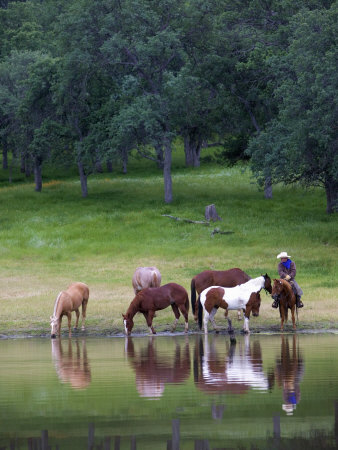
pixel 52 238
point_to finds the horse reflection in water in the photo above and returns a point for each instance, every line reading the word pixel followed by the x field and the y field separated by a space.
pixel 288 374
pixel 154 370
pixel 240 370
pixel 71 366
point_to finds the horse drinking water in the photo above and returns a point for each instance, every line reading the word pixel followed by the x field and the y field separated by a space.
pixel 245 296
pixel 150 300
pixel 145 277
pixel 283 292
pixel 77 294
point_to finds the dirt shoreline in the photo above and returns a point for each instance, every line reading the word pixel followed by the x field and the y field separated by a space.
pixel 118 333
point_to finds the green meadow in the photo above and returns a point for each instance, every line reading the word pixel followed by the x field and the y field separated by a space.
pixel 52 238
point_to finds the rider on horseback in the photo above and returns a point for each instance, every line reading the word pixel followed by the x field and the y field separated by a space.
pixel 287 271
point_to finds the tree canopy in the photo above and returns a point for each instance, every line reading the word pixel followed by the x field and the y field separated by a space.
pixel 89 81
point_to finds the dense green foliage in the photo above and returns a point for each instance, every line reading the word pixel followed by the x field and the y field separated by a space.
pixel 86 82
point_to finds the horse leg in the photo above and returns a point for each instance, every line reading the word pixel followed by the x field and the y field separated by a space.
pixel 212 319
pixel 177 316
pixel 230 329
pixel 282 317
pixel 77 312
pixel 293 317
pixel 84 311
pixel 69 316
pixel 205 321
pixel 246 325
pixel 239 314
pixel 184 312
pixel 149 318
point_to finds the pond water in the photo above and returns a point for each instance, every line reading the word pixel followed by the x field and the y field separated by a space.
pixel 170 392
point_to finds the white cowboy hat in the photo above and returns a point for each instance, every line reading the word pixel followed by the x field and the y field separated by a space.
pixel 283 255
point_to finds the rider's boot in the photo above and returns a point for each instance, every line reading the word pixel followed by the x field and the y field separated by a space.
pixel 299 303
pixel 275 303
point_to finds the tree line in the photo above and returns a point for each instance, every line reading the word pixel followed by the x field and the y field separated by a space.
pixel 86 82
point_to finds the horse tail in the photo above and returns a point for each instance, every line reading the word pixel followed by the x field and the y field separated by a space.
pixel 200 313
pixel 193 295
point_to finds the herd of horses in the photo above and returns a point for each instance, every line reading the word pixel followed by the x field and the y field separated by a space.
pixel 230 289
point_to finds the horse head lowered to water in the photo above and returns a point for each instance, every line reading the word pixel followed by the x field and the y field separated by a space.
pixel 150 300
pixel 77 294
pixel 245 296
pixel 283 292
pixel 145 277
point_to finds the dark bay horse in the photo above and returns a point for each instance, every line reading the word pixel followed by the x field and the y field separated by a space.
pixel 150 300
pixel 283 292
pixel 207 278
pixel 77 294
pixel 244 296
pixel 145 277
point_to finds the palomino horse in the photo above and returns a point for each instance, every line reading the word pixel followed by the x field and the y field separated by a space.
pixel 225 278
pixel 154 369
pixel 77 294
pixel 150 300
pixel 145 277
pixel 71 366
pixel 283 292
pixel 245 296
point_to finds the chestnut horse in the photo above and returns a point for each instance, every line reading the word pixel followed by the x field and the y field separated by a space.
pixel 283 292
pixel 150 300
pixel 146 277
pixel 245 296
pixel 225 278
pixel 77 294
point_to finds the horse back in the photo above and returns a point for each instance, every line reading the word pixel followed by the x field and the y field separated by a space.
pixel 145 277
pixel 78 292
pixel 224 278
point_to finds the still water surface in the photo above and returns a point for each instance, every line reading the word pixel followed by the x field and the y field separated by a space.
pixel 170 392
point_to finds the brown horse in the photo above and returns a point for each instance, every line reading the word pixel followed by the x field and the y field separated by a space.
pixel 150 300
pixel 207 278
pixel 145 277
pixel 77 294
pixel 154 369
pixel 282 291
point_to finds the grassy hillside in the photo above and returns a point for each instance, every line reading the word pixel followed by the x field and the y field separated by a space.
pixel 52 238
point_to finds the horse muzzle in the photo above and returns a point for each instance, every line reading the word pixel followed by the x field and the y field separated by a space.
pixel 53 336
pixel 275 297
pixel 255 314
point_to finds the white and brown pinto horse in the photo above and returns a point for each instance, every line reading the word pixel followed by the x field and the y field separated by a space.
pixel 77 294
pixel 145 277
pixel 244 296
pixel 150 300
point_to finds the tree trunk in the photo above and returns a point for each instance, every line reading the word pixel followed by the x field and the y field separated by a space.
pixel 268 187
pixel 331 189
pixel 159 156
pixel 83 179
pixel 192 149
pixel 168 192
pixel 98 163
pixel 125 160
pixel 38 174
pixel 5 153
pixel 109 166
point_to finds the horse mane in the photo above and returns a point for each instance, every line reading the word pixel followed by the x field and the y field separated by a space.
pixel 287 286
pixel 56 303
pixel 134 305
